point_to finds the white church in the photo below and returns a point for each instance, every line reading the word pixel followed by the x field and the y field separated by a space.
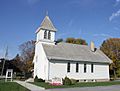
pixel 80 62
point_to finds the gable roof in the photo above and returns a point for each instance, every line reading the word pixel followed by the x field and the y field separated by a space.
pixel 47 24
pixel 74 52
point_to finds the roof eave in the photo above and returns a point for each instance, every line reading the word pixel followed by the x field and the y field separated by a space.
pixel 54 30
pixel 58 59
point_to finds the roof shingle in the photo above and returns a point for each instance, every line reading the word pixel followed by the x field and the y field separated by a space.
pixel 47 24
pixel 74 52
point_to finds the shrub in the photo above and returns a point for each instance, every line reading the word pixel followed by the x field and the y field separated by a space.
pixel 67 81
pixel 38 79
pixel 73 81
pixel 28 75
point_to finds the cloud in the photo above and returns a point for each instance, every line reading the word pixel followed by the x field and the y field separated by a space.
pixel 114 15
pixel 102 35
pixel 117 2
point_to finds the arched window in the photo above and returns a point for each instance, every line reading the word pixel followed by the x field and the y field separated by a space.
pixel 45 34
pixel 49 35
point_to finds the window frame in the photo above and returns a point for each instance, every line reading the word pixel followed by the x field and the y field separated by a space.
pixel 77 67
pixel 85 68
pixel 92 68
pixel 49 35
pixel 68 67
pixel 45 34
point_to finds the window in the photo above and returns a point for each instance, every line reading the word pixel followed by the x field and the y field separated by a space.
pixel 85 67
pixel 9 74
pixel 68 67
pixel 77 67
pixel 92 68
pixel 49 35
pixel 45 34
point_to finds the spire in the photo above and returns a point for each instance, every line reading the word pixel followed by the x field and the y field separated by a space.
pixel 46 13
pixel 47 24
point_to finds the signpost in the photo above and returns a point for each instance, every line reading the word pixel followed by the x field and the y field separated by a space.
pixel 9 74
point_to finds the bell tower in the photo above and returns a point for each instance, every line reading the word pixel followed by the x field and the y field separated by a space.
pixel 45 35
pixel 46 31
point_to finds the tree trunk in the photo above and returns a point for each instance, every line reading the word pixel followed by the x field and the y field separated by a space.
pixel 114 73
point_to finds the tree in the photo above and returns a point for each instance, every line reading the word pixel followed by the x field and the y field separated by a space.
pixel 76 41
pixel 59 40
pixel 27 51
pixel 17 62
pixel 10 64
pixel 111 47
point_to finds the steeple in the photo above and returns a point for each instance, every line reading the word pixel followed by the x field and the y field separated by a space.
pixel 46 31
pixel 46 13
pixel 47 24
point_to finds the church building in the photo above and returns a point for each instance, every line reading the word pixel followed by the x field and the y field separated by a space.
pixel 80 62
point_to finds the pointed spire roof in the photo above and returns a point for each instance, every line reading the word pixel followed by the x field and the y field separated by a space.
pixel 47 24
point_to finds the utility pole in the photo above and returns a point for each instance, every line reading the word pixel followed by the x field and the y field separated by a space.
pixel 5 57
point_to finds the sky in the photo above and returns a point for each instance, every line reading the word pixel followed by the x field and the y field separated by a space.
pixel 92 20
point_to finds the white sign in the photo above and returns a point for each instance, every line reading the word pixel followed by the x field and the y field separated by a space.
pixel 9 74
pixel 56 81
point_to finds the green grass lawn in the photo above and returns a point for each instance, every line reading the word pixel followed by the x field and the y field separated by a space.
pixel 87 84
pixel 11 86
